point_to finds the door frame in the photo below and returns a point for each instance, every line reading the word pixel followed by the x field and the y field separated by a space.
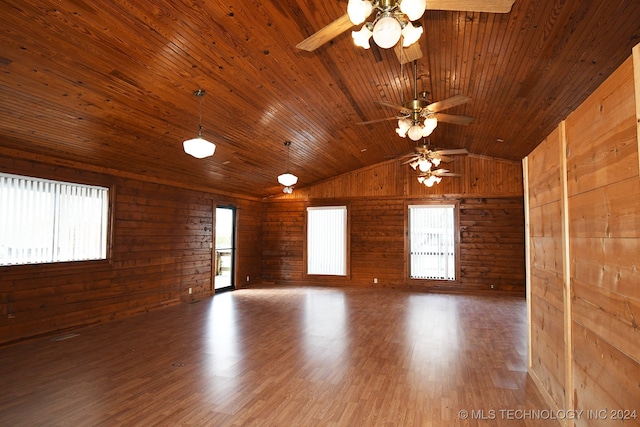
pixel 214 258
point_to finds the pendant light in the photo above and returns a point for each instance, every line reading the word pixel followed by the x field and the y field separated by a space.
pixel 199 147
pixel 288 180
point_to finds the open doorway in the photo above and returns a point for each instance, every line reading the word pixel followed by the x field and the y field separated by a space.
pixel 225 249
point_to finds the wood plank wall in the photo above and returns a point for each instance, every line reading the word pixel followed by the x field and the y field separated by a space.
pixel 598 341
pixel 546 298
pixel 491 226
pixel 160 248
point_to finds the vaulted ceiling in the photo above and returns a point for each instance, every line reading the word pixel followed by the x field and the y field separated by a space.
pixel 108 85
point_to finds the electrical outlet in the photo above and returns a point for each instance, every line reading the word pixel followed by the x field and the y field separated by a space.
pixel 190 291
pixel 247 278
pixel 375 280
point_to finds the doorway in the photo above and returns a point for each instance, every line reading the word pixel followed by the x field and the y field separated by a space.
pixel 225 249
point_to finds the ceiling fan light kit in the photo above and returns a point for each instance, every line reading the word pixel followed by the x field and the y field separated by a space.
pixel 393 20
pixel 429 179
pixel 199 147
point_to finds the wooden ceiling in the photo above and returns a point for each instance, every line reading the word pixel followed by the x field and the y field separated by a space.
pixel 108 85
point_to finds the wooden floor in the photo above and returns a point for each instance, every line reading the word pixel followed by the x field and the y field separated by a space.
pixel 284 357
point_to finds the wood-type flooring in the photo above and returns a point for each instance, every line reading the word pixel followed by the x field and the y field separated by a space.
pixel 284 356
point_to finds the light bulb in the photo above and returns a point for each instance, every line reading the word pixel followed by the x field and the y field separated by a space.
pixel 386 32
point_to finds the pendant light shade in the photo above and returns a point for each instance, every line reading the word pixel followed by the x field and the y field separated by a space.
pixel 199 147
pixel 288 180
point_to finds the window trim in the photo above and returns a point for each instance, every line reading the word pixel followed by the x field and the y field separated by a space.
pixel 456 240
pixel 347 274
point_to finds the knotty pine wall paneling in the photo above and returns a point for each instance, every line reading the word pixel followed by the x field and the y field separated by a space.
pixel 603 233
pixel 160 240
pixel 491 226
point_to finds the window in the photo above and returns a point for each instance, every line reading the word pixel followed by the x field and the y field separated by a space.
pixel 327 240
pixel 48 221
pixel 432 251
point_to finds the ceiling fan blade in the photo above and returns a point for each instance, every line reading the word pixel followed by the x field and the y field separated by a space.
pixel 325 34
pixel 411 160
pixel 456 120
pixel 400 108
pixel 451 151
pixel 491 6
pixel 449 174
pixel 447 103
pixel 377 120
pixel 443 158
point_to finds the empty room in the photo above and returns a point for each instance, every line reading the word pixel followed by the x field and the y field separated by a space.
pixel 320 213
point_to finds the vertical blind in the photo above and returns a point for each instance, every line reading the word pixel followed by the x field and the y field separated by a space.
pixel 50 221
pixel 432 242
pixel 327 240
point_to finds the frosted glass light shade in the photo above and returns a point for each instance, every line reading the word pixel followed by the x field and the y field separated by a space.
pixel 287 179
pixel 386 32
pixel 199 147
pixel 424 165
pixel 361 38
pixel 415 132
pixel 359 10
pixel 430 123
pixel 414 9
pixel 410 34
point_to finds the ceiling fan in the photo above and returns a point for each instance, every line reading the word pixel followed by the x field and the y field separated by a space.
pixel 419 117
pixel 424 159
pixel 434 177
pixel 393 19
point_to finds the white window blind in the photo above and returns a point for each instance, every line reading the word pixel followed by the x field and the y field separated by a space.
pixel 432 242
pixel 327 240
pixel 49 221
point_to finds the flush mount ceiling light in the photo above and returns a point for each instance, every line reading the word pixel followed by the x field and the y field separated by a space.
pixel 288 180
pixel 393 20
pixel 199 147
